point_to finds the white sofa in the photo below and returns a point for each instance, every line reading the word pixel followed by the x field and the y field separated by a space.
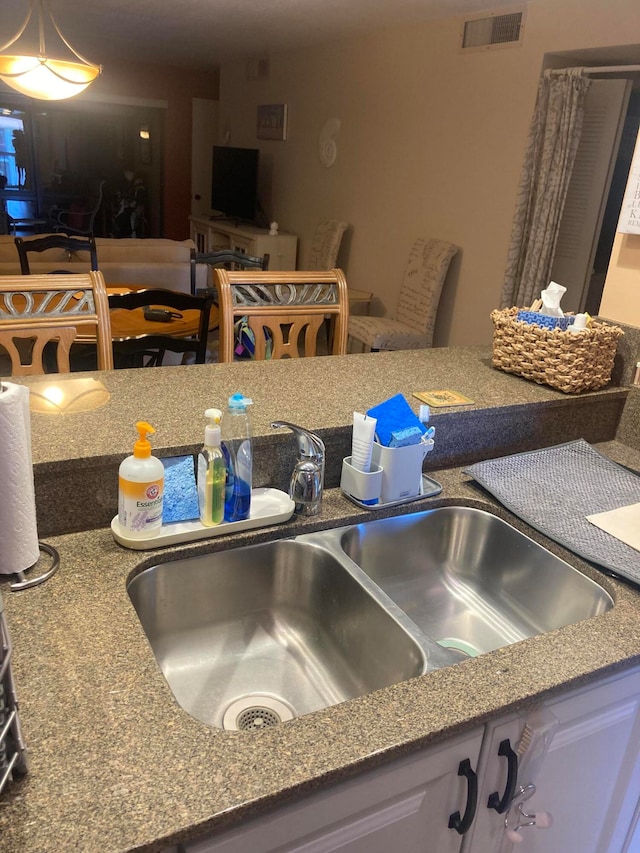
pixel 155 262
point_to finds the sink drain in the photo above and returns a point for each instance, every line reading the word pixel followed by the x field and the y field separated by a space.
pixel 256 711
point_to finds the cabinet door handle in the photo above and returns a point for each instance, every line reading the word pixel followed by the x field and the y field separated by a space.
pixel 462 824
pixel 502 804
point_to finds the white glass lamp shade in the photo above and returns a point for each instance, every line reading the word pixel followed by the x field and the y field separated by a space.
pixel 46 79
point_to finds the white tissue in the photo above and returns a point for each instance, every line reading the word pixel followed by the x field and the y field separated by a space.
pixel 18 529
pixel 551 300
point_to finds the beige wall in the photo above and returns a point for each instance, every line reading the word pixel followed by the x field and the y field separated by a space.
pixel 431 143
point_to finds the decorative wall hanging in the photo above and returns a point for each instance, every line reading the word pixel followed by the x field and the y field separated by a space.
pixel 629 222
pixel 272 121
pixel 328 147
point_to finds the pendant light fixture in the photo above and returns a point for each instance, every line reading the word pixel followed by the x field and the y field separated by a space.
pixel 39 76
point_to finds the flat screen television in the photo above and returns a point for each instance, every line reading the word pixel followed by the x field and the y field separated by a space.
pixel 234 182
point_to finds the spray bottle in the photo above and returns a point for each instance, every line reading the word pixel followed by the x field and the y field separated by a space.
pixel 236 446
pixel 211 472
pixel 141 485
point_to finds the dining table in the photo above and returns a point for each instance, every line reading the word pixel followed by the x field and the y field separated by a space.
pixel 132 323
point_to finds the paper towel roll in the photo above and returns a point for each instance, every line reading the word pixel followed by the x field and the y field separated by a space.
pixel 18 529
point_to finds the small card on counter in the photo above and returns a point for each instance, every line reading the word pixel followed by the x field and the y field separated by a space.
pixel 442 398
pixel 623 523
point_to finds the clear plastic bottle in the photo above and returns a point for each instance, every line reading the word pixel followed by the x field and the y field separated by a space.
pixel 140 488
pixel 211 472
pixel 237 449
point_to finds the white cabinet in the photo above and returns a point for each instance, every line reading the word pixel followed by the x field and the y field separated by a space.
pixel 501 739
pixel 200 233
pixel 401 807
pixel 212 234
pixel 587 777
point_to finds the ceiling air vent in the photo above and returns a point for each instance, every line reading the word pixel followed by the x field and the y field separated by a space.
pixel 490 30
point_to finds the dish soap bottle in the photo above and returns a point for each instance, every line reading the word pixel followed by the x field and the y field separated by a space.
pixel 236 446
pixel 211 472
pixel 140 488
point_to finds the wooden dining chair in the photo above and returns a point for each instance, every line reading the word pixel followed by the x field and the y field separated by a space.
pixel 65 246
pixel 227 258
pixel 152 346
pixel 77 300
pixel 25 348
pixel 290 306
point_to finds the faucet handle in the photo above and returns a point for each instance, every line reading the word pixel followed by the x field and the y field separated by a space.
pixel 310 445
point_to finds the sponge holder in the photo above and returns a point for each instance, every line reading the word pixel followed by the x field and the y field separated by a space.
pixel 363 486
pixel 395 478
pixel 401 469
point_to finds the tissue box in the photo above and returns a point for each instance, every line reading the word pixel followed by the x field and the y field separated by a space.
pixel 564 361
pixel 544 320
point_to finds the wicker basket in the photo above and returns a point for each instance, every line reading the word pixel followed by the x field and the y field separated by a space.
pixel 563 360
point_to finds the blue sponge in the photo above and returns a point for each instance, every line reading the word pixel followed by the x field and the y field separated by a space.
pixel 398 425
pixel 180 501
pixel 405 436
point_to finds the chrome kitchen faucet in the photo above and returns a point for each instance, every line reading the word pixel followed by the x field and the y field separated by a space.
pixel 307 479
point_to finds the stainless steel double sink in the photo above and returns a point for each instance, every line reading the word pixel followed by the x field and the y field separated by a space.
pixel 251 637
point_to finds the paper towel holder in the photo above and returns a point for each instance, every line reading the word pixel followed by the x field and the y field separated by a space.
pixel 27 583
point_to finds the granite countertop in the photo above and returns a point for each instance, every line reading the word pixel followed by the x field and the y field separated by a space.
pixel 76 454
pixel 320 393
pixel 116 765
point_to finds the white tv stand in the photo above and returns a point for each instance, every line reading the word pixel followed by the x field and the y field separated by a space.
pixel 212 234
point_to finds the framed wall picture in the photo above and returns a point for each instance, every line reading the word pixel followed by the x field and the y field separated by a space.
pixel 272 121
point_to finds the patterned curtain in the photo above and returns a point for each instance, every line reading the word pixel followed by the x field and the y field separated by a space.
pixel 551 151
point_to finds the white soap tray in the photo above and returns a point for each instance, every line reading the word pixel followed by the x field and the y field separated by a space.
pixel 268 506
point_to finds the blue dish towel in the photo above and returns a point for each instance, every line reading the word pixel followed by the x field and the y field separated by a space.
pixel 554 489
pixel 397 424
